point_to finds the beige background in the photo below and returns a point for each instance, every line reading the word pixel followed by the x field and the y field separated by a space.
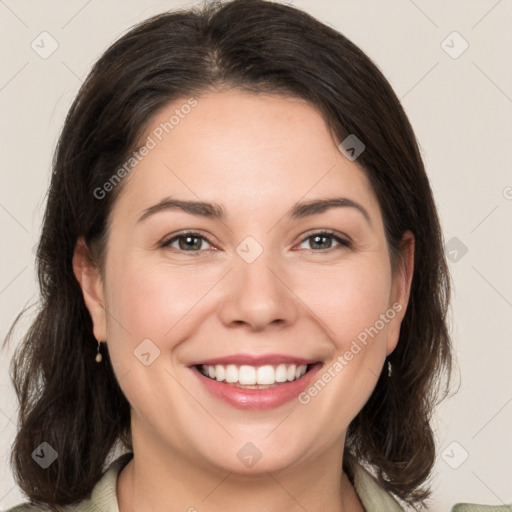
pixel 461 111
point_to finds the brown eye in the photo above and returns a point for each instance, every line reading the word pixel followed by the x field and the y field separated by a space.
pixel 323 241
pixel 186 242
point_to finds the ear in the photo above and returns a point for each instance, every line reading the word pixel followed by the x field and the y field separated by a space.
pixel 401 289
pixel 89 278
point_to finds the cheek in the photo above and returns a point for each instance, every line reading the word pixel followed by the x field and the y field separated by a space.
pixel 349 302
pixel 347 299
pixel 149 298
pixel 150 301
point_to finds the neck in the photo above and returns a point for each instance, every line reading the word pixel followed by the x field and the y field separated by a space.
pixel 165 480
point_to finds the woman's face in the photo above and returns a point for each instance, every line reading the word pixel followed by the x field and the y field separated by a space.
pixel 259 281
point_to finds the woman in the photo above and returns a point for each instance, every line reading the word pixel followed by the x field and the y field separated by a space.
pixel 243 280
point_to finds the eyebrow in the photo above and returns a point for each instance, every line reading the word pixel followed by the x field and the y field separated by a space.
pixel 215 211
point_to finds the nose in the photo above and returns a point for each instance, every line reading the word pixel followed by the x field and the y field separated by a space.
pixel 257 295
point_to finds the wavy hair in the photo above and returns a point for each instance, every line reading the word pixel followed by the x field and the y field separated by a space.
pixel 76 405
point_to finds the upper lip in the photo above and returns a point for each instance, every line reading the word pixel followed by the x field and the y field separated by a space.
pixel 254 360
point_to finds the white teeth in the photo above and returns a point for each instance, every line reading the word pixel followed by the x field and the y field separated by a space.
pixel 281 373
pixel 231 373
pixel 265 375
pixel 247 375
pixel 220 373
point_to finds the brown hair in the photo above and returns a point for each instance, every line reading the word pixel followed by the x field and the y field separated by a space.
pixel 76 405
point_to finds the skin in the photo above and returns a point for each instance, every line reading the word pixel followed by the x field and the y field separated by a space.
pixel 257 156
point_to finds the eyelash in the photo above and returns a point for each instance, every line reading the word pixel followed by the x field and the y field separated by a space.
pixel 343 242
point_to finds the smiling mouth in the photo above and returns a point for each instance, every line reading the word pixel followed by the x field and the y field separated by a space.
pixel 255 377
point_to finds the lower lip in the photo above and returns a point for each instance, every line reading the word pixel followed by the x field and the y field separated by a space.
pixel 257 399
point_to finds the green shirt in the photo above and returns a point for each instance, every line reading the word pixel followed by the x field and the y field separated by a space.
pixel 372 495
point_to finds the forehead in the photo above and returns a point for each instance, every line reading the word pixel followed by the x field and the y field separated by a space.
pixel 251 151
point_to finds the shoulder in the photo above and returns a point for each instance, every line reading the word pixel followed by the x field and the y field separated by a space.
pixel 374 497
pixel 25 507
pixel 103 497
pixel 83 506
pixel 473 507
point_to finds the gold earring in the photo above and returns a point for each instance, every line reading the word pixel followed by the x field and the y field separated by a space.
pixel 99 357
